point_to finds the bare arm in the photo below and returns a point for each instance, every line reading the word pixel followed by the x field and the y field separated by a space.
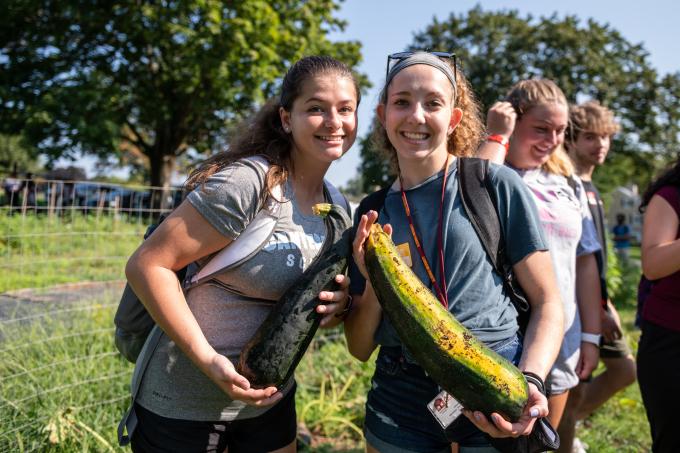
pixel 182 238
pixel 660 250
pixel 541 343
pixel 362 323
pixel 500 120
pixel 545 330
pixel 589 297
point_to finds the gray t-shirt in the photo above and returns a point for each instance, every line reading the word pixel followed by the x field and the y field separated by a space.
pixel 570 232
pixel 231 307
pixel 475 290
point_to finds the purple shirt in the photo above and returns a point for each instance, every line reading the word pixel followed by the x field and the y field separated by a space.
pixel 662 306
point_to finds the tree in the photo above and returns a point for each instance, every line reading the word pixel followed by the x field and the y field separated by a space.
pixel 588 60
pixel 151 78
pixel 15 155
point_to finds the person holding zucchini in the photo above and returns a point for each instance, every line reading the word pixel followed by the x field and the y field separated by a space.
pixel 191 398
pixel 428 119
pixel 533 119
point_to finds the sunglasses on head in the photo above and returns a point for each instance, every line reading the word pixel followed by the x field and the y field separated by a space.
pixel 395 58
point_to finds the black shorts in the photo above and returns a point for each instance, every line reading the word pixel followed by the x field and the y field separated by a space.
pixel 272 430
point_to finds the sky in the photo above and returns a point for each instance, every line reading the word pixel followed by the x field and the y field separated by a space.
pixel 387 26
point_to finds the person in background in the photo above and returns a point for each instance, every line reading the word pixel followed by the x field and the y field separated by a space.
pixel 587 141
pixel 529 127
pixel 191 397
pixel 428 118
pixel 658 357
pixel 622 237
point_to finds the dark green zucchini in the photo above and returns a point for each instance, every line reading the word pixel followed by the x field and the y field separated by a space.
pixel 273 353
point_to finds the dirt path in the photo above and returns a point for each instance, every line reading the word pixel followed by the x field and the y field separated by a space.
pixel 24 303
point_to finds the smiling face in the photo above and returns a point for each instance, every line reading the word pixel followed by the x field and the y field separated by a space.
pixel 419 115
pixel 590 148
pixel 323 118
pixel 537 135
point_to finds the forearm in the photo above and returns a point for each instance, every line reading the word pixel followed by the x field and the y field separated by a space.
pixel 362 323
pixel 588 294
pixel 543 337
pixel 494 152
pixel 545 331
pixel 161 293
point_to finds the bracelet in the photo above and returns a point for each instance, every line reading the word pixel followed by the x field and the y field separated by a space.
pixel 593 338
pixel 533 378
pixel 503 141
pixel 345 311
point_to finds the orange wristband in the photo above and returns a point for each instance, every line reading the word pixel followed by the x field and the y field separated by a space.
pixel 500 140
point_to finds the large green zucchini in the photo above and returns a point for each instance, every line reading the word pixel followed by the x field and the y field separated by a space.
pixel 453 357
pixel 273 353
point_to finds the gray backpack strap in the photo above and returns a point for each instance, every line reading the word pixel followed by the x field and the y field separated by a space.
pixel 129 421
pixel 249 242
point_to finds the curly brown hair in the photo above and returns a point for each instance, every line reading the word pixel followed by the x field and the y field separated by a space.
pixel 464 139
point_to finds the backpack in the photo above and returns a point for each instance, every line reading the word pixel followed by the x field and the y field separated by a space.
pixel 480 205
pixel 134 324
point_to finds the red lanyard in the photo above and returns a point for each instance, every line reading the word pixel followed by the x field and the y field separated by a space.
pixel 441 289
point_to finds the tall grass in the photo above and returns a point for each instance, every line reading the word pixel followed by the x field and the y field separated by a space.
pixel 39 251
pixel 64 387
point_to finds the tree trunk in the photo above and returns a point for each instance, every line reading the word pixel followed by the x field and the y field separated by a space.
pixel 162 164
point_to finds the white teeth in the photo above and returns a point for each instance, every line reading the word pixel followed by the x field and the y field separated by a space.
pixel 334 138
pixel 415 135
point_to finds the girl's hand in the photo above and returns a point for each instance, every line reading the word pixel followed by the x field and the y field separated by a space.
pixel 500 120
pixel 335 302
pixel 221 371
pixel 536 407
pixel 587 360
pixel 363 230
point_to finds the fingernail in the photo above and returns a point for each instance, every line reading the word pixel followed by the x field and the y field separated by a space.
pixel 478 417
pixel 533 412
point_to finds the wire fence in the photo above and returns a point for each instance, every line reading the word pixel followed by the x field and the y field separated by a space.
pixel 63 248
pixel 55 231
pixel 63 386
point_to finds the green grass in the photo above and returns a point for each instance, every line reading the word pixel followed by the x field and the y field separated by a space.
pixel 621 425
pixel 64 387
pixel 40 251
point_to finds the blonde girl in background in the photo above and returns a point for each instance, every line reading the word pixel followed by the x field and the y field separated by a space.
pixel 526 131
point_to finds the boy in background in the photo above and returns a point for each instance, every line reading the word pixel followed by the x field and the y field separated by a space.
pixel 588 138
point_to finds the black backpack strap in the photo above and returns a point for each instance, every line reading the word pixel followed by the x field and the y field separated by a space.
pixel 480 204
pixel 481 208
pixel 373 202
